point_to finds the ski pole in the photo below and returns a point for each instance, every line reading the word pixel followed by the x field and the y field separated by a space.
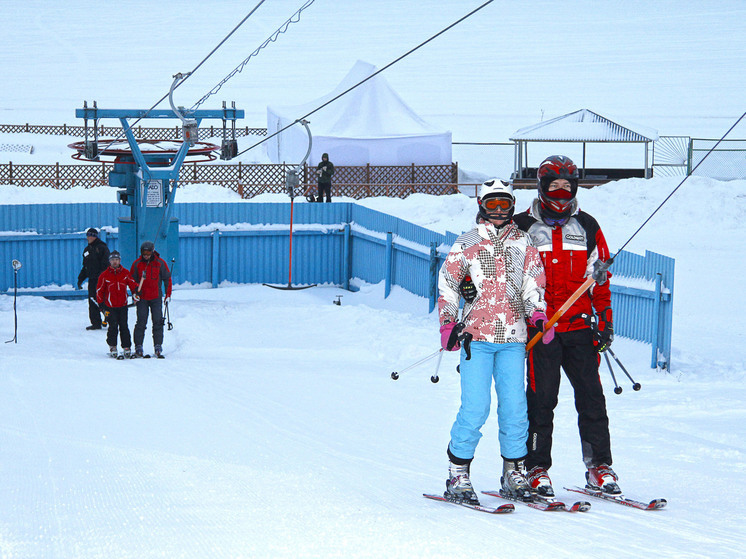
pixel 104 321
pixel 635 385
pixel 617 388
pixel 435 378
pixel 395 374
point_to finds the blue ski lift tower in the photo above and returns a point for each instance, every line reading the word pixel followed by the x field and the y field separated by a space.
pixel 146 172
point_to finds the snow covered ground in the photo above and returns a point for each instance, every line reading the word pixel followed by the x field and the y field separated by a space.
pixel 273 428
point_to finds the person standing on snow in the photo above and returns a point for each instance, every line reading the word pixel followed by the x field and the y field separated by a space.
pixel 508 278
pixel 95 261
pixel 570 242
pixel 111 294
pixel 325 170
pixel 149 271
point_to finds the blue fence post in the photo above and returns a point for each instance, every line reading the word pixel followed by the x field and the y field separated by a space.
pixel 389 261
pixel 656 319
pixel 433 275
pixel 346 259
pixel 215 256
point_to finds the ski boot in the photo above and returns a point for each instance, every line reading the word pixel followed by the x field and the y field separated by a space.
pixel 127 352
pixel 458 485
pixel 138 354
pixel 113 351
pixel 158 351
pixel 538 479
pixel 513 480
pixel 602 478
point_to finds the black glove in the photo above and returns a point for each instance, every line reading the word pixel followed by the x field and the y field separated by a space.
pixel 80 285
pixel 467 289
pixel 605 330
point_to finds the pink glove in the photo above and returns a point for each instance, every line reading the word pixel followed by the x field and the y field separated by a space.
pixel 539 319
pixel 446 335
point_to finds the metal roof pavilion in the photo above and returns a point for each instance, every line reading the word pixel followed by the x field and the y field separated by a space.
pixel 581 126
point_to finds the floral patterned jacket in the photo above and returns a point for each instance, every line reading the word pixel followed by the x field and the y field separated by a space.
pixel 509 277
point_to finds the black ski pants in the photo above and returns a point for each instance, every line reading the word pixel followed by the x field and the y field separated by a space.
pixel 152 307
pixel 117 320
pixel 93 311
pixel 575 354
pixel 325 188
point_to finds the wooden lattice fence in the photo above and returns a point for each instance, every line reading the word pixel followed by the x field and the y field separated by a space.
pixel 140 132
pixel 250 180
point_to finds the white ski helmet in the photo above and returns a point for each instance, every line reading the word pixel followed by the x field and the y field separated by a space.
pixel 495 188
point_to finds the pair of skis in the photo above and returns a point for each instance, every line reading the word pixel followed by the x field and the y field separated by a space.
pixel 580 506
pixel 542 504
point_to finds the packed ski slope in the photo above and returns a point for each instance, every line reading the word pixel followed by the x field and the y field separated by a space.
pixel 273 428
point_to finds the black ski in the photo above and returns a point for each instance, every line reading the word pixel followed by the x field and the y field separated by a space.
pixel 655 504
pixel 508 507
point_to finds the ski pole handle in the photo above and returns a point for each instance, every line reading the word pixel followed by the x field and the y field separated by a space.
pixel 562 310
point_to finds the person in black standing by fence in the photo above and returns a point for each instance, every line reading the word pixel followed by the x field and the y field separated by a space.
pixel 95 261
pixel 325 170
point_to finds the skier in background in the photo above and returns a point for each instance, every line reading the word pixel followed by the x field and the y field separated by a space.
pixel 508 280
pixel 111 294
pixel 570 241
pixel 149 271
pixel 325 170
pixel 95 261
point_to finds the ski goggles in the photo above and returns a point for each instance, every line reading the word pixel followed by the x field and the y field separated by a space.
pixel 497 204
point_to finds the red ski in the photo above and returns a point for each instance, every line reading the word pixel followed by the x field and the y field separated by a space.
pixel 655 504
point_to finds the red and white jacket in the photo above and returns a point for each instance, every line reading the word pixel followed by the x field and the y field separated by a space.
pixel 111 289
pixel 154 271
pixel 568 254
pixel 506 270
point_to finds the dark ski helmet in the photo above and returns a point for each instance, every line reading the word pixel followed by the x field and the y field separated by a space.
pixel 496 189
pixel 557 205
pixel 115 254
pixel 147 245
pixel 92 232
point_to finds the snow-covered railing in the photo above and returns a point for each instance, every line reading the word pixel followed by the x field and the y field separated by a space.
pixel 332 244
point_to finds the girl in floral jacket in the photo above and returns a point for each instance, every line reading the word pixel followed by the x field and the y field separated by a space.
pixel 509 279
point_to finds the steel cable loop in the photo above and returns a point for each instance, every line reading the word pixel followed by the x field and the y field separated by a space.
pixel 422 44
pixel 187 75
pixel 295 18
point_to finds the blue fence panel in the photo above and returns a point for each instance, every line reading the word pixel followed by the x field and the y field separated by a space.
pixel 59 218
pixel 259 255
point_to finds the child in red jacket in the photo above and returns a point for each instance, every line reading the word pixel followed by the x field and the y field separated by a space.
pixel 111 294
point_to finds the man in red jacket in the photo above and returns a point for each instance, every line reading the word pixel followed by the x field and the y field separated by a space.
pixel 570 241
pixel 149 271
pixel 111 294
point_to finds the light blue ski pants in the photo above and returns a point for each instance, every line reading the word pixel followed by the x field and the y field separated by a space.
pixel 505 363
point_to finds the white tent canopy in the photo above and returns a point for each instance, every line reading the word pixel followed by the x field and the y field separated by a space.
pixel 370 124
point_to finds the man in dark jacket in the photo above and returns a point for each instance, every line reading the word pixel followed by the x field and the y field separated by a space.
pixel 149 271
pixel 95 261
pixel 325 170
